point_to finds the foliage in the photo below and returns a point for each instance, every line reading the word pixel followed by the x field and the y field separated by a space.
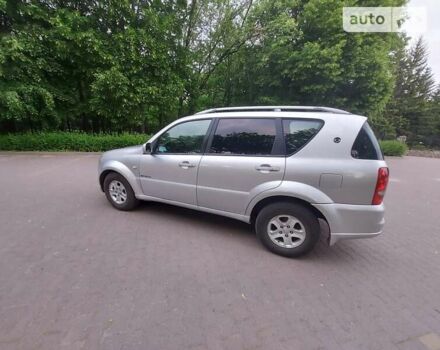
pixel 419 147
pixel 65 141
pixel 135 65
pixel 90 65
pixel 413 110
pixel 301 55
pixel 393 148
pixel 433 137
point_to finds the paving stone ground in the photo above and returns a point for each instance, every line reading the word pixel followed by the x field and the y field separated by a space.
pixel 77 274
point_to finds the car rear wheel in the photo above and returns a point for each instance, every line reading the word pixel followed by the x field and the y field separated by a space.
pixel 119 192
pixel 287 229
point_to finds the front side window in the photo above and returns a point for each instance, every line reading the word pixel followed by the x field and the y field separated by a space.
pixel 244 136
pixel 183 138
pixel 297 132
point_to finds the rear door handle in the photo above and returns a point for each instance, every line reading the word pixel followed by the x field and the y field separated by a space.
pixel 267 168
pixel 186 165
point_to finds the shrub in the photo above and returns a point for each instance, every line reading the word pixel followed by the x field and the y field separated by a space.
pixel 393 148
pixel 419 147
pixel 69 141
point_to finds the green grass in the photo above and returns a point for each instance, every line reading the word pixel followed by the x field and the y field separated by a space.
pixel 69 141
pixel 393 148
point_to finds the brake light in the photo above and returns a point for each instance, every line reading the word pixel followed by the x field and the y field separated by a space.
pixel 381 186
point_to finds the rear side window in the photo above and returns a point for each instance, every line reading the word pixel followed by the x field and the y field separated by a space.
pixel 244 136
pixel 297 132
pixel 366 146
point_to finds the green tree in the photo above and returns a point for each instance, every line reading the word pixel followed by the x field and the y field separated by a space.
pixel 25 97
pixel 114 65
pixel 214 33
pixel 298 53
pixel 433 138
pixel 410 108
pixel 90 65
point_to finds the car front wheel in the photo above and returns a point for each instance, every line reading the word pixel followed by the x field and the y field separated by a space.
pixel 287 229
pixel 119 192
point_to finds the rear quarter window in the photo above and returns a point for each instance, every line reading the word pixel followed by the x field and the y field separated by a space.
pixel 366 146
pixel 298 132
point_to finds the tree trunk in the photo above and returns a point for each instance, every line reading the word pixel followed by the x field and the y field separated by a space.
pixel 84 122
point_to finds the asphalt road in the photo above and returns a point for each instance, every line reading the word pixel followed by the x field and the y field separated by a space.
pixel 77 274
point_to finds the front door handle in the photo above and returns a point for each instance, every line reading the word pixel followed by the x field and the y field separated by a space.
pixel 186 165
pixel 267 168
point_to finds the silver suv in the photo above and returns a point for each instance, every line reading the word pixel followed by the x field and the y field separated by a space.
pixel 285 170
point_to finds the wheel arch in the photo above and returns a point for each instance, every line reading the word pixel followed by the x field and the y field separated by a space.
pixel 124 171
pixel 103 175
pixel 283 198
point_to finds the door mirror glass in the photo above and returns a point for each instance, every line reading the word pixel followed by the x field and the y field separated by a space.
pixel 148 148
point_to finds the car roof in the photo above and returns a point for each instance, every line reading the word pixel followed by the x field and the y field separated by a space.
pixel 303 112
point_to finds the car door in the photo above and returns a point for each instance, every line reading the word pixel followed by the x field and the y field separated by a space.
pixel 170 171
pixel 244 158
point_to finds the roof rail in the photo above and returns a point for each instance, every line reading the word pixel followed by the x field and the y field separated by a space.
pixel 274 109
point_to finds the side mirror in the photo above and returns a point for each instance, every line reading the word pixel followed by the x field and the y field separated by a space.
pixel 148 148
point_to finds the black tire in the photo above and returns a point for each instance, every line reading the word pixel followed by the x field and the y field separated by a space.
pixel 130 202
pixel 307 218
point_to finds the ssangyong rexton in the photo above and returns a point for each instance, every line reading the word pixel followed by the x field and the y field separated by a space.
pixel 281 169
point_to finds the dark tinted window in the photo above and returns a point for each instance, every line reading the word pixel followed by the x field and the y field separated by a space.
pixel 366 146
pixel 244 136
pixel 183 138
pixel 297 132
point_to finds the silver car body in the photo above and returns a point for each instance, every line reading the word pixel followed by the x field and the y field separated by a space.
pixel 323 174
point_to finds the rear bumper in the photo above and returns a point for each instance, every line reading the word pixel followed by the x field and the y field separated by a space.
pixel 348 221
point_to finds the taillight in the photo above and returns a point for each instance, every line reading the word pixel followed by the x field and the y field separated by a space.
pixel 381 186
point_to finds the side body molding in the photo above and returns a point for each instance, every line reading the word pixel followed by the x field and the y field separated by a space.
pixel 293 189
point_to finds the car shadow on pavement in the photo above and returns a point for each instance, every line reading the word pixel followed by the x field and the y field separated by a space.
pixel 244 233
pixel 171 212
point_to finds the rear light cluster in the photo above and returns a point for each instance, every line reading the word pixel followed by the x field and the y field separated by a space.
pixel 381 186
